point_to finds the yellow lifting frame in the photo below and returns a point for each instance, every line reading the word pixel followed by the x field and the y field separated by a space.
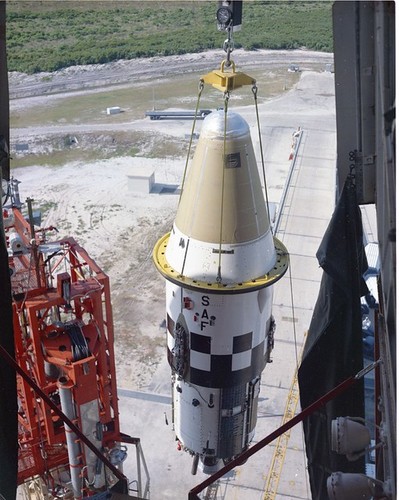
pixel 278 271
pixel 229 80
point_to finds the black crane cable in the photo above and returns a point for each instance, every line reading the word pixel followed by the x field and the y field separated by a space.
pixel 80 349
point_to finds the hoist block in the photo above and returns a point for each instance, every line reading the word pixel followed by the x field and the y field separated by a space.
pixel 229 80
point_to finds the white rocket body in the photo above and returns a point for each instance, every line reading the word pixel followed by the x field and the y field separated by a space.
pixel 220 261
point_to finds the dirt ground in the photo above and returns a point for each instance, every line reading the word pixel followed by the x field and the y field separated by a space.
pixel 95 201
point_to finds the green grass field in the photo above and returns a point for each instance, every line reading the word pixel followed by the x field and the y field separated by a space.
pixel 50 35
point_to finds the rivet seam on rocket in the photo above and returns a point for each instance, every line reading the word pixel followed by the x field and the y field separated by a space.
pixel 276 273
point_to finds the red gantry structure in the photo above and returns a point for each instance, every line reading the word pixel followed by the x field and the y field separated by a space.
pixel 69 432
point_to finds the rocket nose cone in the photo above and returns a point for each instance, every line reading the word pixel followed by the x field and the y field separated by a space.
pixel 217 123
pixel 222 208
pixel 221 232
pixel 222 199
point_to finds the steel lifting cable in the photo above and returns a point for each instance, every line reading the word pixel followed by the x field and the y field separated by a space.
pixel 255 93
pixel 224 163
pixel 200 89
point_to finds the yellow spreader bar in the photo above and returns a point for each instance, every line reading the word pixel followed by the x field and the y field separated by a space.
pixel 268 279
pixel 227 80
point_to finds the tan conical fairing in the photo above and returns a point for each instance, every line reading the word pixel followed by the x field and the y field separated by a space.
pixel 221 232
pixel 243 215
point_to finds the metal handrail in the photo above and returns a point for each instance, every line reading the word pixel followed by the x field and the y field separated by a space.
pixel 287 182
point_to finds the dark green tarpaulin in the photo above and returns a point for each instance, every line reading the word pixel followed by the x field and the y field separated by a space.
pixel 333 350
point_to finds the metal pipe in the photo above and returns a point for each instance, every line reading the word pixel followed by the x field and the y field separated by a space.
pixel 195 464
pixel 73 446
pixel 30 213
pixel 11 361
pixel 287 184
pixel 139 485
pixel 33 241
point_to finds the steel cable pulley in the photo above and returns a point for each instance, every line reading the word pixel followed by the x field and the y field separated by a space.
pixel 79 346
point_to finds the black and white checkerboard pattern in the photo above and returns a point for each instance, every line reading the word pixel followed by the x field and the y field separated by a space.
pixel 241 363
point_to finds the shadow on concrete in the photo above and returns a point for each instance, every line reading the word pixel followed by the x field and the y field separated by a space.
pixel 160 188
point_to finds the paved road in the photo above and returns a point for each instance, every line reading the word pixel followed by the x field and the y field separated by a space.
pixel 80 78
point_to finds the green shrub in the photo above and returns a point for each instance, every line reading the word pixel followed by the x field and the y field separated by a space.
pixel 46 36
